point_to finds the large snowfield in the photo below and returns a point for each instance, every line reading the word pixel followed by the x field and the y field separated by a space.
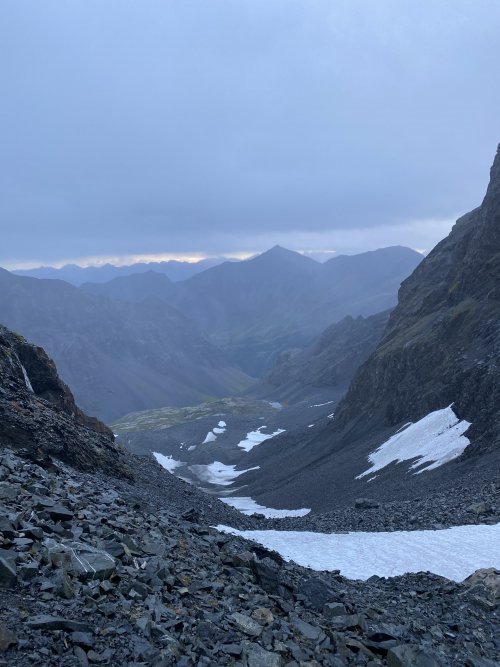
pixel 435 439
pixel 454 553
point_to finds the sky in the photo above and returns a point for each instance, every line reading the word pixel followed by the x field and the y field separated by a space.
pixel 191 128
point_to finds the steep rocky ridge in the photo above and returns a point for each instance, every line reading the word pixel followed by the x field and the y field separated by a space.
pixel 442 343
pixel 441 346
pixel 38 413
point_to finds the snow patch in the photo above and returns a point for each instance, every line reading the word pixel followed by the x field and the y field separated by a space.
pixel 255 438
pixel 247 505
pixel 218 473
pixel 454 553
pixel 320 405
pixel 276 405
pixel 27 380
pixel 212 435
pixel 434 439
pixel 167 462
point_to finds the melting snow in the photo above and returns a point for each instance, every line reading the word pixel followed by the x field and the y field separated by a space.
pixel 247 505
pixel 212 435
pixel 435 439
pixel 27 380
pixel 167 462
pixel 320 405
pixel 254 438
pixel 218 473
pixel 454 553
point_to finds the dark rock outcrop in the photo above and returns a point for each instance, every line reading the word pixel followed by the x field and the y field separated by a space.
pixel 442 343
pixel 38 413
pixel 441 347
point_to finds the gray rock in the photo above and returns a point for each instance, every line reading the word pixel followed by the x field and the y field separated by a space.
pixel 81 656
pixel 306 629
pixel 487 577
pixel 246 624
pixel 317 591
pixel 366 504
pixel 60 513
pixel 348 622
pixel 82 639
pixel 7 638
pixel 256 656
pixel 6 528
pixel 406 655
pixel 480 508
pixel 8 491
pixel 8 573
pixel 46 622
pixel 332 609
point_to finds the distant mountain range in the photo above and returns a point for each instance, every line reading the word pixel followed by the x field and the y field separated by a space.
pixel 143 341
pixel 255 309
pixel 77 275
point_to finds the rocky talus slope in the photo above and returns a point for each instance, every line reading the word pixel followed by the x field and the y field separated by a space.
pixel 96 570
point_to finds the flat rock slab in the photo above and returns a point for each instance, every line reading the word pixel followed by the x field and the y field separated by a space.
pixel 7 638
pixel 60 513
pixel 8 574
pixel 407 655
pixel 45 622
pixel 246 624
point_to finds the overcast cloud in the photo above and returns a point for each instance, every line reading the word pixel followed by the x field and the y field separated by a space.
pixel 225 126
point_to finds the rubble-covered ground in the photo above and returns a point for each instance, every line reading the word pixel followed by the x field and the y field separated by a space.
pixel 100 571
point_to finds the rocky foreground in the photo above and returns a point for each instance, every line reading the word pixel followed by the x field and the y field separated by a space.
pixel 104 571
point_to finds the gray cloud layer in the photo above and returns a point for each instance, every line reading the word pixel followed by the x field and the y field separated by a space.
pixel 218 125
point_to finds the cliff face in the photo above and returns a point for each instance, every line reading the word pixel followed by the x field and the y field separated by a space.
pixel 38 413
pixel 442 343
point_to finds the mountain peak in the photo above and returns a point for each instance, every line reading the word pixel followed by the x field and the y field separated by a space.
pixel 278 253
pixel 493 190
